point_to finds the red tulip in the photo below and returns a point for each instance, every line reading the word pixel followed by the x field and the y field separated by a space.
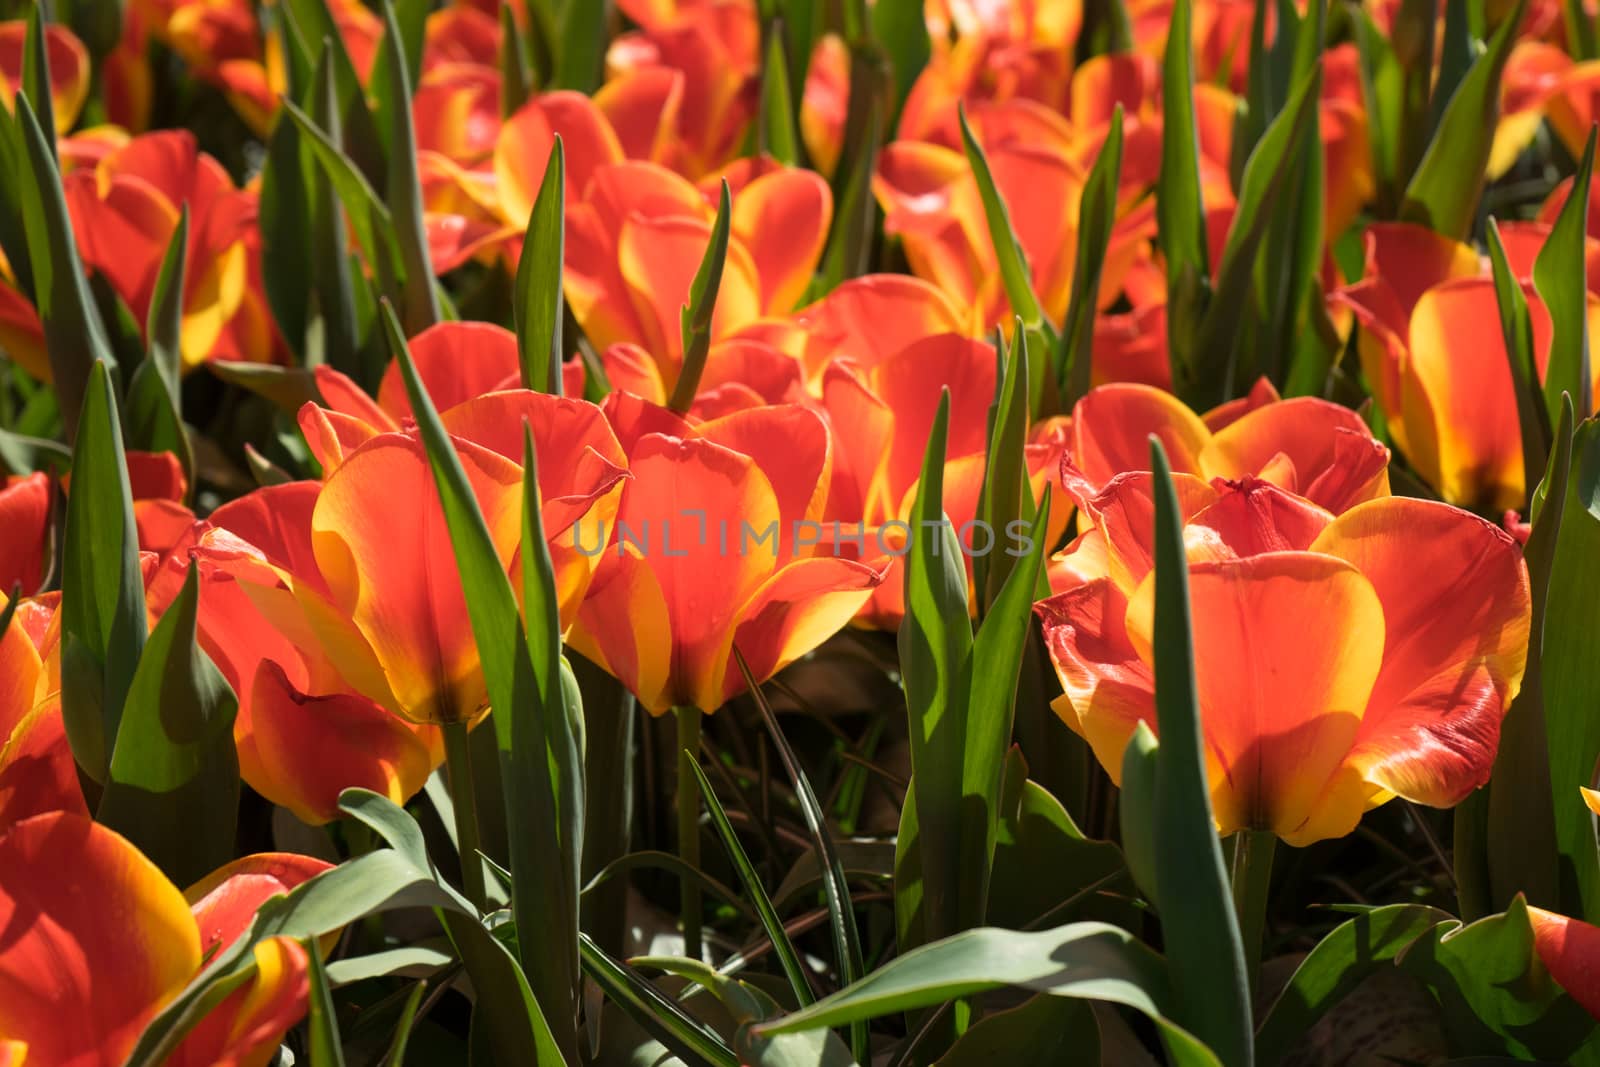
pixel 70 69
pixel 713 549
pixel 1341 661
pixel 83 904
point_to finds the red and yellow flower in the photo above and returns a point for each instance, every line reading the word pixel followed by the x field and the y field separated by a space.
pixel 1329 680
pixel 83 904
pixel 714 548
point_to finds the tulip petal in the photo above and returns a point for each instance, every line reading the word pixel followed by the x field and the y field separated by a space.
pixel 870 318
pixel 37 771
pixel 1570 951
pixel 309 749
pixel 341 394
pixel 25 517
pixel 224 902
pixel 624 628
pixel 383 548
pixel 456 362
pixel 791 447
pixel 1284 664
pixel 246 1029
pixel 1457 605
pixel 1334 459
pixel 81 905
pixel 782 218
pixel 1111 427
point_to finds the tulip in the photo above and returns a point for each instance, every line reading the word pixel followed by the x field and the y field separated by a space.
pixel 713 549
pixel 82 903
pixel 1432 348
pixel 638 236
pixel 70 70
pixel 931 202
pixel 125 210
pixel 1340 660
pixel 688 77
pixel 881 414
pixel 1305 445
pixel 25 516
pixel 37 772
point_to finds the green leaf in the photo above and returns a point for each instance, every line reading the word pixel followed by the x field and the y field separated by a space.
pixel 747 1005
pixel 900 27
pixel 1521 853
pixel 1560 278
pixel 165 325
pixel 694 319
pixel 13 231
pixel 1580 30
pixel 1533 419
pixel 1136 808
pixel 152 422
pixel 419 307
pixel 1014 271
pixel 174 784
pixel 1408 83
pixel 1570 674
pixel 1339 963
pixel 849 250
pixel 841 914
pixel 322 1025
pixel 1229 349
pixel 1180 214
pixel 581 47
pixel 1443 193
pixel 369 217
pixel 1005 469
pixel 1198 924
pixel 1090 961
pixel 1097 215
pixel 312 22
pixel 1494 994
pixel 538 307
pixel 36 75
pixel 782 947
pixel 102 587
pixel 396 1056
pixel 516 75
pixel 660 1017
pixel 935 645
pixel 405 22
pixel 1044 1029
pixel 525 701
pixel 73 331
pixel 776 134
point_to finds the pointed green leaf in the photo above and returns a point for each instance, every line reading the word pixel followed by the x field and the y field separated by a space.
pixel 174 784
pixel 1044 1029
pixel 36 75
pixel 405 22
pixel 524 706
pixel 1005 472
pixel 1013 261
pixel 777 135
pixel 1443 193
pixel 836 890
pixel 539 305
pixel 312 21
pixel 1580 29
pixel 855 220
pixel 13 230
pixel 73 331
pixel 658 1016
pixel 1090 961
pixel 1136 808
pixel 1533 419
pixel 1097 214
pixel 1560 277
pixel 788 958
pixel 1180 215
pixel 165 325
pixel 420 305
pixel 322 1025
pixel 1198 924
pixel 1339 963
pixel 580 51
pixel 102 587
pixel 516 76
pixel 152 423
pixel 694 319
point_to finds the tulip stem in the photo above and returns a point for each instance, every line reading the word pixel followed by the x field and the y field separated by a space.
pixel 1252 878
pixel 458 764
pixel 689 826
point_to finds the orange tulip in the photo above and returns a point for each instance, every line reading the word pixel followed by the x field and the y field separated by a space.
pixel 990 53
pixel 1305 445
pixel 25 516
pixel 682 89
pixel 714 548
pixel 1340 661
pixel 70 69
pixel 637 238
pixel 882 413
pixel 931 202
pixel 825 103
pixel 740 372
pixel 1431 346
pixel 37 772
pixel 83 904
pixel 302 734
pixel 125 209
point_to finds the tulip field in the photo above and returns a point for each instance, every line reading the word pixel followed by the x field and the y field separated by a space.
pixel 799 533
